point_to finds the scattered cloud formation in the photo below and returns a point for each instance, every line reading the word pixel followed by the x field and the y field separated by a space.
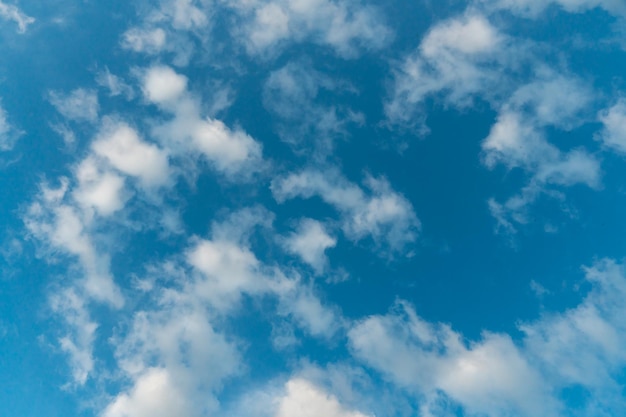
pixel 187 241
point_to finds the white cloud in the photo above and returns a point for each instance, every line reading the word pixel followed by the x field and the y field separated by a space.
pixel 518 143
pixel 114 84
pixel 60 226
pixel 583 345
pixel 309 243
pixel 495 376
pixel 554 99
pixel 162 84
pixel 613 134
pixel 230 270
pixel 231 151
pixel 101 190
pixel 383 214
pixel 489 378
pixel 173 356
pixel 11 12
pixel 150 41
pixel 78 343
pixel 304 399
pixel 8 134
pixel 471 35
pixel 458 58
pixel 186 14
pixel 154 395
pixel 347 27
pixel 535 7
pixel 79 105
pixel 122 147
pixel 307 310
pixel 518 140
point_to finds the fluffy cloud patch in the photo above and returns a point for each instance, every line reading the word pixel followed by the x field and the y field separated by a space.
pixel 309 242
pixel 144 40
pixel 458 58
pixel 304 399
pixel 613 134
pixel 383 214
pixel 231 151
pixel 101 190
pixel 162 84
pixel 153 395
pixel 347 27
pixel 122 147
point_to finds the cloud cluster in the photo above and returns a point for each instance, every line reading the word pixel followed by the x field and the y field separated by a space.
pixel 499 376
pixel 346 27
pixel 381 213
pixel 231 152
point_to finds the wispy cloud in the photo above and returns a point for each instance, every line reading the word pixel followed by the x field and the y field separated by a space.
pixel 13 13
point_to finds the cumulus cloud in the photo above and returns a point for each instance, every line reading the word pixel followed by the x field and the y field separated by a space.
pixel 458 58
pixel 613 134
pixel 121 146
pixel 162 84
pixel 381 213
pixel 496 376
pixel 13 13
pixel 99 189
pixel 153 394
pixel 230 151
pixel 347 27
pixel 309 242
pixel 304 399
pixel 79 105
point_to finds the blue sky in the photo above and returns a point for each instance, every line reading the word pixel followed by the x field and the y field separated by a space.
pixel 304 208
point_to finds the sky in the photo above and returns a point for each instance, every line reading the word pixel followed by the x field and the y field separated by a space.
pixel 312 208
